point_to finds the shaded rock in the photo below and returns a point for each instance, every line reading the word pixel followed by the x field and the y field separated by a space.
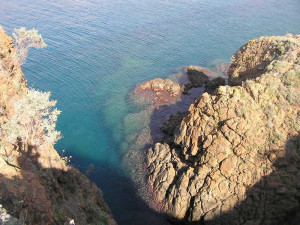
pixel 169 125
pixel 197 75
pixel 197 78
pixel 212 85
pixel 254 58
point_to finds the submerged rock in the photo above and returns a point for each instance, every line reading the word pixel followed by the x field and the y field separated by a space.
pixel 157 92
pixel 234 158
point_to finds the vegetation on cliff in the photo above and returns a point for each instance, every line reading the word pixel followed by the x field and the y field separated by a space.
pixel 36 184
pixel 234 159
pixel 25 39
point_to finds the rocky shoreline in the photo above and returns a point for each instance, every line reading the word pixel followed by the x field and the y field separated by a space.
pixel 229 157
pixel 233 158
pixel 152 102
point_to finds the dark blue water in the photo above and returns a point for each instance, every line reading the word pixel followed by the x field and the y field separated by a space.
pixel 98 50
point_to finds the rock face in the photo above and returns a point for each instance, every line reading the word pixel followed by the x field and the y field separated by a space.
pixel 235 158
pixel 7 219
pixel 36 184
pixel 253 58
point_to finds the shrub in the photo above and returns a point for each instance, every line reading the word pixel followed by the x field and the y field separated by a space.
pixel 37 116
pixel 25 39
pixel 10 131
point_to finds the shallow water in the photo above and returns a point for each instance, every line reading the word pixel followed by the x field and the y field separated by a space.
pixel 99 50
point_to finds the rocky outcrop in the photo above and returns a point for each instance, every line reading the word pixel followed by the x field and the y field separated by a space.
pixel 11 89
pixel 199 76
pixel 36 184
pixel 170 125
pixel 257 56
pixel 235 158
pixel 157 92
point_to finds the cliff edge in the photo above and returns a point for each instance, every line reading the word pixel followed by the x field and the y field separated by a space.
pixel 234 159
pixel 36 184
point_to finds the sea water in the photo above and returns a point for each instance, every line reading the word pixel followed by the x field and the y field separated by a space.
pixel 99 50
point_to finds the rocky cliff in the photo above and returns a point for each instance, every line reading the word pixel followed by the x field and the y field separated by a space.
pixel 234 159
pixel 36 184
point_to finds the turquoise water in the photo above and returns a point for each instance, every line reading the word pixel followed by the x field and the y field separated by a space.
pixel 98 50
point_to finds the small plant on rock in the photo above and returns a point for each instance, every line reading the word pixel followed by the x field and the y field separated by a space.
pixel 10 131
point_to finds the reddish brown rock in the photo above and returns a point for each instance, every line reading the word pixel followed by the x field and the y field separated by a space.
pixel 228 166
pixel 157 92
pixel 235 154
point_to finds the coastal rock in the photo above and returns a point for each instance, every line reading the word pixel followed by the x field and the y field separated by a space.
pixel 172 123
pixel 213 84
pixel 261 55
pixel 6 219
pixel 234 159
pixel 157 92
pixel 197 76
pixel 36 184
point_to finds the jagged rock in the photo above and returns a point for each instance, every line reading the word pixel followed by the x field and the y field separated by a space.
pixel 169 125
pixel 197 78
pixel 235 158
pixel 254 58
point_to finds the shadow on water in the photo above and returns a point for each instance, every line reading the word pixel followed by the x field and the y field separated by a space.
pixel 122 199
pixel 274 199
pixel 120 194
